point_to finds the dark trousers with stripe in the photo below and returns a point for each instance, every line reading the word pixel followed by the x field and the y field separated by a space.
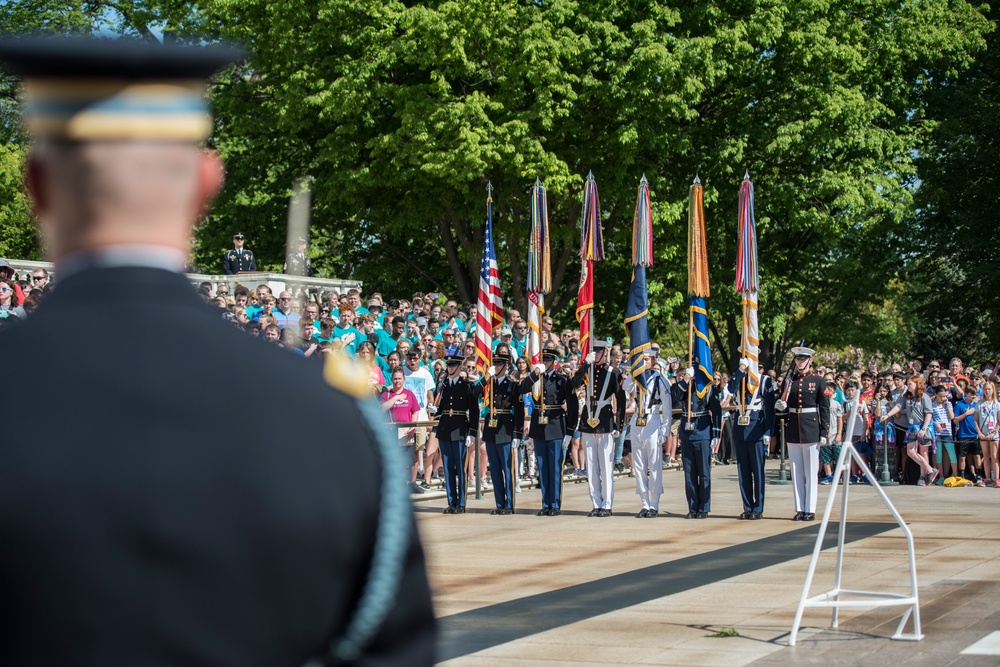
pixel 453 454
pixel 499 456
pixel 549 455
pixel 750 467
pixel 697 474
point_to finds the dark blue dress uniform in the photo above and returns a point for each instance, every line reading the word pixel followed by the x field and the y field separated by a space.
pixel 458 418
pixel 137 527
pixel 551 420
pixel 750 426
pixel 696 437
pixel 501 426
pixel 807 420
pixel 236 261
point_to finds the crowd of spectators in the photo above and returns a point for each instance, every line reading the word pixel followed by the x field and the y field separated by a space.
pixel 928 426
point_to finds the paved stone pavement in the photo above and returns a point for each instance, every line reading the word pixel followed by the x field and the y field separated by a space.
pixel 572 590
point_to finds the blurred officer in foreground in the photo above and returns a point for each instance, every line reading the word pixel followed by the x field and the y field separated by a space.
pixel 135 529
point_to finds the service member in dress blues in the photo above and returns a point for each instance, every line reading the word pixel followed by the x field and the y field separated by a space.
pixel 753 424
pixel 504 415
pixel 143 532
pixel 650 426
pixel 807 426
pixel 551 420
pixel 699 433
pixel 602 417
pixel 457 407
pixel 239 259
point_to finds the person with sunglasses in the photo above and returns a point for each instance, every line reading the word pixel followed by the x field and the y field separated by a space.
pixel 8 303
pixel 239 259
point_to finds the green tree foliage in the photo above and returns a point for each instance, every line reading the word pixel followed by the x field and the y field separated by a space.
pixel 952 282
pixel 401 112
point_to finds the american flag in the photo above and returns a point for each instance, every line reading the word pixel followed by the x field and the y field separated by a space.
pixel 489 306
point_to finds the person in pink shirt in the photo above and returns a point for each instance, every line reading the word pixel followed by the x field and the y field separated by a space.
pixel 402 406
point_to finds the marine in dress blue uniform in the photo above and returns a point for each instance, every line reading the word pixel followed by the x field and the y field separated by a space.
pixel 602 417
pixel 753 424
pixel 504 419
pixel 807 426
pixel 551 420
pixel 239 259
pixel 457 408
pixel 699 433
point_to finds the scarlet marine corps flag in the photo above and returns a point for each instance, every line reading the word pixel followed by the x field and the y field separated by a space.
pixel 585 304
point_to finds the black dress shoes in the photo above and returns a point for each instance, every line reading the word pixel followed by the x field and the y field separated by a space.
pixel 642 514
pixel 652 514
pixel 702 515
pixel 554 511
pixel 450 509
pixel 756 515
pixel 595 512
pixel 799 516
pixel 808 516
pixel 605 513
pixel 543 512
pixel 691 515
pixel 498 510
pixel 745 516
pixel 459 510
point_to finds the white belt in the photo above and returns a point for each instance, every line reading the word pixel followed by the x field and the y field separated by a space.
pixel 803 410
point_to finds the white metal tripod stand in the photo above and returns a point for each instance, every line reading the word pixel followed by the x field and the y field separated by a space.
pixel 832 598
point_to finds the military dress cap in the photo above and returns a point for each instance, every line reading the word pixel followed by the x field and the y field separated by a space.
pixel 453 359
pixel 92 89
pixel 239 234
pixel 801 351
pixel 649 352
pixel 600 345
pixel 501 358
pixel 550 355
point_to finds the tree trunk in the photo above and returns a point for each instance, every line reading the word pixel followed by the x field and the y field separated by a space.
pixel 455 263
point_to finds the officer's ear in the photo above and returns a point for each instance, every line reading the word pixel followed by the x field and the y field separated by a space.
pixel 211 177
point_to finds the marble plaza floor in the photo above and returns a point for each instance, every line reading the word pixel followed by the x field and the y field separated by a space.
pixel 528 591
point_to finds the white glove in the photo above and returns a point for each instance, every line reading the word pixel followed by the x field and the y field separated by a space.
pixel 540 369
pixel 744 363
pixel 515 443
pixel 568 439
pixel 780 405
pixel 432 409
pixel 767 441
pixel 823 440
pixel 615 433
pixel 715 443
pixel 689 372
pixel 470 441
pixel 589 359
pixel 491 371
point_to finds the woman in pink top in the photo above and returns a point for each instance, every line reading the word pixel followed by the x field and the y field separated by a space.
pixel 401 404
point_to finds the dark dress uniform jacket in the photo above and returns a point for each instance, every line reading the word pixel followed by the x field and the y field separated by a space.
pixel 143 523
pixel 460 397
pixel 557 393
pixel 233 262
pixel 807 394
pixel 611 417
pixel 759 408
pixel 508 406
pixel 708 412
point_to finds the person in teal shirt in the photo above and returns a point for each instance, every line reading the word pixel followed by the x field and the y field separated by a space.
pixel 346 331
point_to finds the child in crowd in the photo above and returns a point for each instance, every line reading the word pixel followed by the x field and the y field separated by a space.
pixel 830 452
pixel 942 417
pixel 859 436
pixel 967 438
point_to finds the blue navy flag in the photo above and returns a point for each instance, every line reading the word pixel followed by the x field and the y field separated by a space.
pixel 637 324
pixel 702 352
